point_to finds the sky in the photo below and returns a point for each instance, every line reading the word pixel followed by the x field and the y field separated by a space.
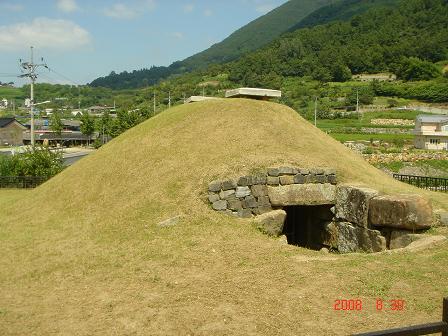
pixel 85 39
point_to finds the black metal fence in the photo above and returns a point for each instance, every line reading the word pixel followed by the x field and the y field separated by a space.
pixel 425 182
pixel 417 330
pixel 21 181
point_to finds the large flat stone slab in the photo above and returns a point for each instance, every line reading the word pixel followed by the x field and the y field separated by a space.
pixel 347 238
pixel 302 194
pixel 352 204
pixel 409 212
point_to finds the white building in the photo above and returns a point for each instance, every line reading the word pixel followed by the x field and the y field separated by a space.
pixel 431 132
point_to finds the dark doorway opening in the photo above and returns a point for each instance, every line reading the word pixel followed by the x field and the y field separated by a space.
pixel 305 225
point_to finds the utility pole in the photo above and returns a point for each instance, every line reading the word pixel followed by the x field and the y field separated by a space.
pixel 154 102
pixel 357 102
pixel 169 99
pixel 31 67
pixel 315 112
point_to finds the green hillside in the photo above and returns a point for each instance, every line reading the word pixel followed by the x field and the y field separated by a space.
pixel 83 254
pixel 250 37
pixel 340 11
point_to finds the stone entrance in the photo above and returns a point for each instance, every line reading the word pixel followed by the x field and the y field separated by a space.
pixel 312 210
pixel 305 225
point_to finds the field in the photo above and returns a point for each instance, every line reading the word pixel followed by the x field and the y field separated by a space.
pixel 83 254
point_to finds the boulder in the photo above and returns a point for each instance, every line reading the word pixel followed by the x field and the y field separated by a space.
pixel 273 172
pixel 304 171
pixel 287 171
pixel 299 179
pixel 259 179
pixel 400 239
pixel 263 200
pixel 213 197
pixel 251 202
pixel 443 218
pixel 332 179
pixel 228 184
pixel 225 194
pixel 409 212
pixel 272 222
pixel 219 205
pixel 259 190
pixel 215 186
pixel 352 204
pixel 242 192
pixel 320 178
pixel 234 204
pixel 347 238
pixel 245 181
pixel 261 209
pixel 302 194
pixel 244 213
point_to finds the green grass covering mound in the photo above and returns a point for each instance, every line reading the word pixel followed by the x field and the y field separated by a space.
pixel 83 254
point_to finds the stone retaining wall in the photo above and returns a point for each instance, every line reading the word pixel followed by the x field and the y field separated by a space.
pixel 360 219
pixel 248 195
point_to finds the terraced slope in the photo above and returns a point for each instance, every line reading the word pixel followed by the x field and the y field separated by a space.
pixel 83 254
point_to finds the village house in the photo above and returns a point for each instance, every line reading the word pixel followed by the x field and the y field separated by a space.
pixel 431 132
pixel 11 132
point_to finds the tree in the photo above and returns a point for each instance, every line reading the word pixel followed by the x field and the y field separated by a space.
pixel 56 124
pixel 87 125
pixel 105 125
pixel 415 69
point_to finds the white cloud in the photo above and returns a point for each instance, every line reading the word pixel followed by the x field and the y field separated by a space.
pixel 208 12
pixel 265 8
pixel 178 35
pixel 67 6
pixel 12 7
pixel 188 8
pixel 43 33
pixel 127 12
pixel 120 11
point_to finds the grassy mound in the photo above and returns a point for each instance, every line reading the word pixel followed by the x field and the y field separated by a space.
pixel 82 254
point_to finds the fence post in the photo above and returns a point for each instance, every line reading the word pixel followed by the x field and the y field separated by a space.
pixel 445 316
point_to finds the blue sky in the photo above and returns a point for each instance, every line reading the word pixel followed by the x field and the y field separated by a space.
pixel 83 40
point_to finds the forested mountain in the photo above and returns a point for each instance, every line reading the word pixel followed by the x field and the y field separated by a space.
pixel 250 37
pixel 402 40
pixel 341 11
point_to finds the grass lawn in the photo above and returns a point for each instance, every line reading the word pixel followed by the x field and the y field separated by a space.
pixel 83 255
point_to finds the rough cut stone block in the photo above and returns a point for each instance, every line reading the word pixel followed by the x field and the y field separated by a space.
pixel 263 200
pixel 262 209
pixel 320 179
pixel 245 181
pixel 302 194
pixel 259 190
pixel 251 202
pixel 220 205
pixel 259 179
pixel 352 204
pixel 272 222
pixel 304 171
pixel 286 179
pixel 271 180
pixel 225 194
pixel 228 184
pixel 213 197
pixel 347 238
pixel 409 212
pixel 215 186
pixel 287 171
pixel 329 171
pixel 273 171
pixel 245 213
pixel 310 178
pixel 400 239
pixel 443 218
pixel 317 171
pixel 299 179
pixel 332 179
pixel 234 204
pixel 242 192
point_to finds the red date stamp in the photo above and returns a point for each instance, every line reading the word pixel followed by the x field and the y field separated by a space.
pixel 379 305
